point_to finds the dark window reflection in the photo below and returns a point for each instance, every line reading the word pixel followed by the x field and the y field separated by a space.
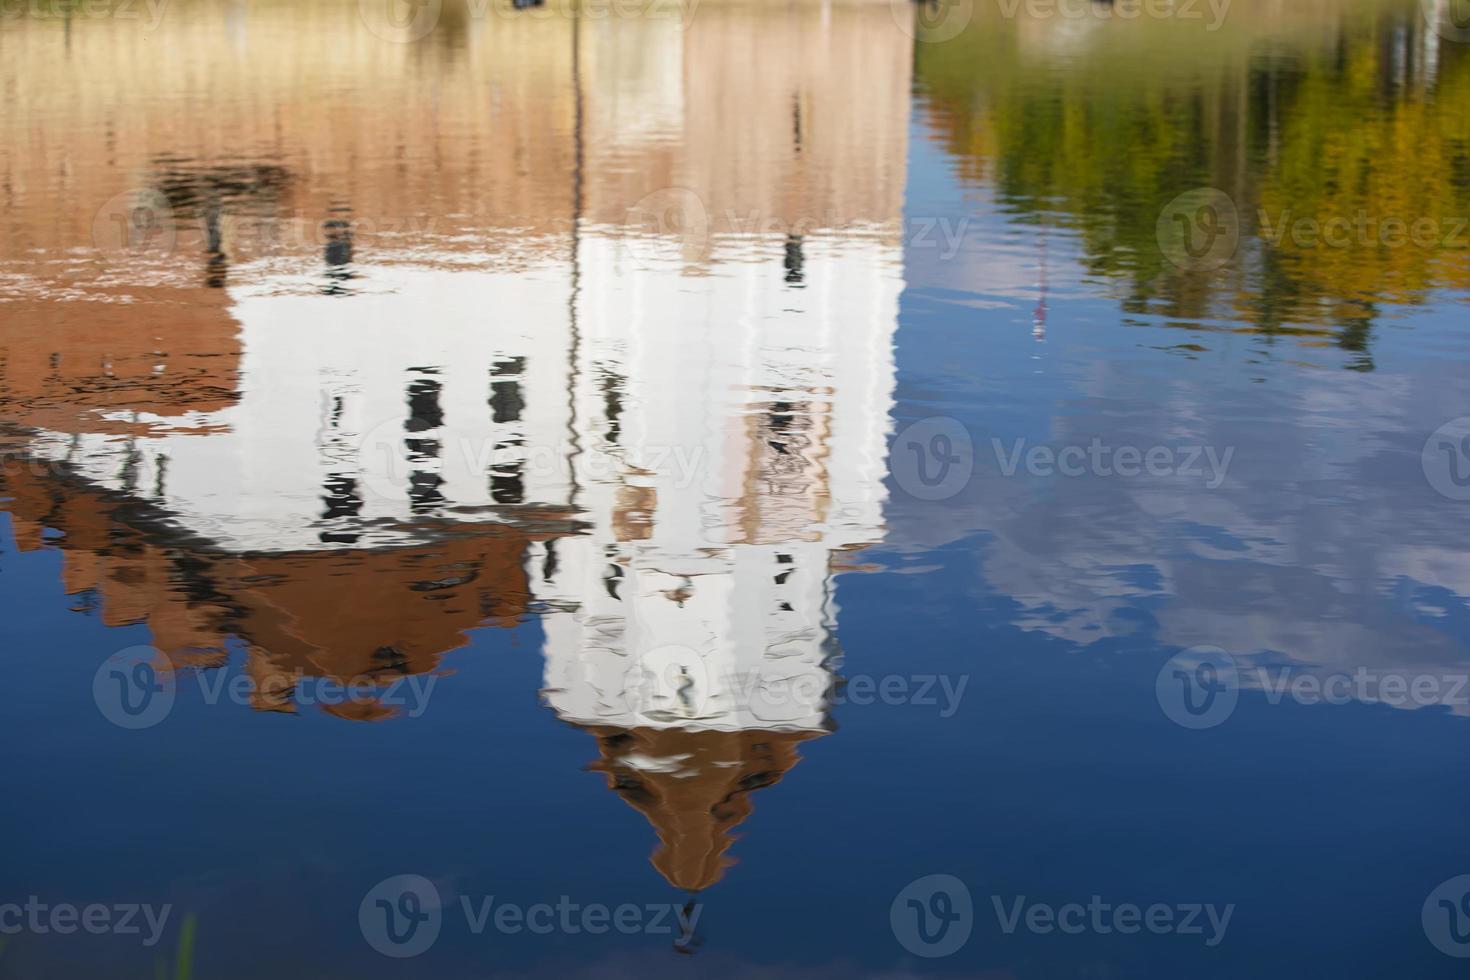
pixel 424 412
pixel 340 497
pixel 795 259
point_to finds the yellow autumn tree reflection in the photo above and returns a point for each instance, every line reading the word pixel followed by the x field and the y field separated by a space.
pixel 1345 149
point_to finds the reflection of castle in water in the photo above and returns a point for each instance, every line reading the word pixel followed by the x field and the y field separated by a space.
pixel 661 448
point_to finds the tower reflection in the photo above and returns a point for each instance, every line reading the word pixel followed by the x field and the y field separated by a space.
pixel 659 439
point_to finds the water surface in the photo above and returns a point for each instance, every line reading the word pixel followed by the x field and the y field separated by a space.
pixel 740 459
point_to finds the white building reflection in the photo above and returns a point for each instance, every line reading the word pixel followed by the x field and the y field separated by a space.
pixel 682 428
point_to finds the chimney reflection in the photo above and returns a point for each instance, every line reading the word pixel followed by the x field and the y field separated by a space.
pixel 216 266
pixel 337 254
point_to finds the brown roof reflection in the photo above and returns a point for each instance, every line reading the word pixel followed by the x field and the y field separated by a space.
pixel 346 615
pixel 695 788
pixel 162 351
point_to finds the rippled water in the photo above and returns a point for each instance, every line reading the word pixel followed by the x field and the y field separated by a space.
pixel 458 458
